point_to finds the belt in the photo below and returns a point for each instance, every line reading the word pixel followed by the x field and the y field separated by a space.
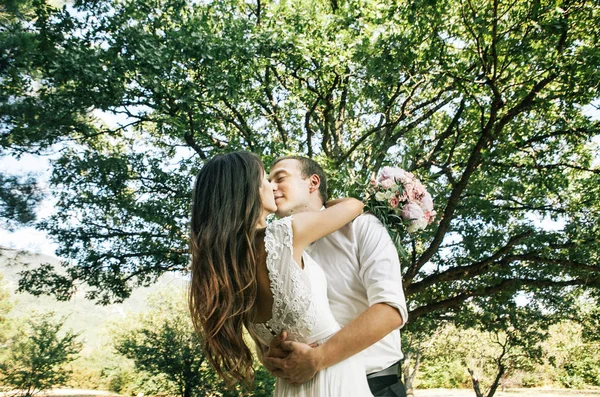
pixel 391 370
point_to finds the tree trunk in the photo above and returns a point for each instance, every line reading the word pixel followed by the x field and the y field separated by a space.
pixel 475 383
pixel 409 376
pixel 494 387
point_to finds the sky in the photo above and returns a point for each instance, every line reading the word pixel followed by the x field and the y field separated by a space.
pixel 28 238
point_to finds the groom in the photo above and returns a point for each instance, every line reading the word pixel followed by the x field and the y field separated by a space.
pixel 364 287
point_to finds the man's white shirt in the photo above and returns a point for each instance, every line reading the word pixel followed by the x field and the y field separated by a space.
pixel 362 268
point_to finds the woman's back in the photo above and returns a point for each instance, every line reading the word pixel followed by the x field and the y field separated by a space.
pixel 299 295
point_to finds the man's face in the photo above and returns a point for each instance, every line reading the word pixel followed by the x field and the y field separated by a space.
pixel 291 190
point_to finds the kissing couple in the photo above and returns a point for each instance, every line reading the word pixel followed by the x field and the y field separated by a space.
pixel 319 290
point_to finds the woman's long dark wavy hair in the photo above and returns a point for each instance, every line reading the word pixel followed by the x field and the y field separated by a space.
pixel 225 211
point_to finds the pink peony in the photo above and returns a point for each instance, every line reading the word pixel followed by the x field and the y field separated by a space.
pixel 386 173
pixel 414 191
pixel 427 202
pixel 404 177
pixel 394 202
pixel 412 211
pixel 430 216
pixel 397 174
pixel 387 183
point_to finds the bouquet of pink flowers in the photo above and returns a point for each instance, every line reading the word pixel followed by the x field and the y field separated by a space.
pixel 400 201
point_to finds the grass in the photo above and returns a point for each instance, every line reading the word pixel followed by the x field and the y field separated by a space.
pixel 69 393
pixel 532 392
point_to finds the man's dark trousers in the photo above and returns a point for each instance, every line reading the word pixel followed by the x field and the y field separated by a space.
pixel 386 383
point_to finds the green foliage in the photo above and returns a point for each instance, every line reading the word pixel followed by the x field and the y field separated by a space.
pixel 563 359
pixel 514 334
pixel 37 356
pixel 532 380
pixel 18 200
pixel 5 302
pixel 100 368
pixel 264 382
pixel 582 370
pixel 6 305
pixel 120 380
pixel 444 374
pixel 163 344
pixel 571 357
pixel 167 353
pixel 482 102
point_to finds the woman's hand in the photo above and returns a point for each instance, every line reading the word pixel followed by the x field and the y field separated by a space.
pixel 300 364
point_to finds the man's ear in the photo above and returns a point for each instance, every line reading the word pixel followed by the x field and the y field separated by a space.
pixel 314 183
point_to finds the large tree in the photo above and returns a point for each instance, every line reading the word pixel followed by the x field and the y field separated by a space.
pixel 484 101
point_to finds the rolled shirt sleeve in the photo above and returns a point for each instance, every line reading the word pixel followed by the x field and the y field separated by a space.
pixel 380 269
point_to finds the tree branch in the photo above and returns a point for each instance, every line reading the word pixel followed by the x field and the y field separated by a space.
pixel 457 300
pixel 475 269
pixel 241 125
pixel 309 131
pixel 473 163
pixel 273 111
pixel 189 138
pixel 447 132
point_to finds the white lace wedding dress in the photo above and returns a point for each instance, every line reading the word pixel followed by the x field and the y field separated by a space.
pixel 301 308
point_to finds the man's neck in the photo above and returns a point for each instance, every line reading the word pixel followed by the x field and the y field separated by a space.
pixel 310 207
pixel 317 206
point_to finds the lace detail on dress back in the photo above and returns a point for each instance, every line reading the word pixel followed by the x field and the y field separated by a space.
pixel 293 304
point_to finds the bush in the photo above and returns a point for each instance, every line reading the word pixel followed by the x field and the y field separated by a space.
pixel 531 380
pixel 264 383
pixel 582 370
pixel 122 381
pixel 36 359
pixel 443 374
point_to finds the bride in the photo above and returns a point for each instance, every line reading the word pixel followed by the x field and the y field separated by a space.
pixel 246 273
